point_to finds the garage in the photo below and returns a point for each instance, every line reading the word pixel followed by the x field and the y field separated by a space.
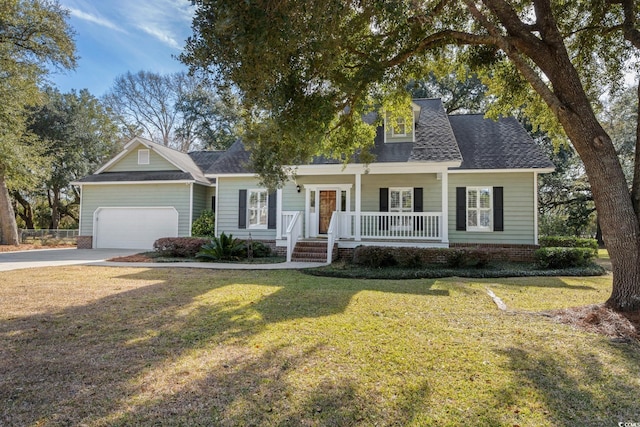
pixel 133 228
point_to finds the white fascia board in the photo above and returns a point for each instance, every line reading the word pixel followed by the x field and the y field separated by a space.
pixel 538 170
pixel 183 181
pixel 128 148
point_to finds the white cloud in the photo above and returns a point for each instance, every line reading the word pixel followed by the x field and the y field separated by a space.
pixel 95 19
pixel 166 20
pixel 162 35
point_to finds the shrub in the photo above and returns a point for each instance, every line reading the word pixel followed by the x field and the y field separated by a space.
pixel 568 242
pixel 205 224
pixel 466 258
pixel 374 256
pixel 259 249
pixel 223 248
pixel 181 247
pixel 558 257
pixel 408 257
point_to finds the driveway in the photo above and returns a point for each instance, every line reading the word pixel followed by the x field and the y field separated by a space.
pixel 57 257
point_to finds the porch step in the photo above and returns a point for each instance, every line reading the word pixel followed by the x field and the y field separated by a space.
pixel 312 251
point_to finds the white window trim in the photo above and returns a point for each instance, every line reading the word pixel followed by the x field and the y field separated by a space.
pixel 257 226
pixel 478 209
pixel 141 156
pixel 404 126
pixel 401 189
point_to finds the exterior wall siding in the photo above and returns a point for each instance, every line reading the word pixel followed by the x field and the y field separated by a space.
pixel 432 189
pixel 135 195
pixel 200 201
pixel 129 162
pixel 518 207
pixel 227 214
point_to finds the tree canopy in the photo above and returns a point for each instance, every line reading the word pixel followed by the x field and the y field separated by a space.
pixel 308 71
pixel 34 37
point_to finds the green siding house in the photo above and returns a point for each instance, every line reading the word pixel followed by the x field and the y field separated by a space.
pixel 437 181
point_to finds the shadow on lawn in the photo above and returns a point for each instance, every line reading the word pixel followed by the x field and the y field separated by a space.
pixel 577 391
pixel 113 361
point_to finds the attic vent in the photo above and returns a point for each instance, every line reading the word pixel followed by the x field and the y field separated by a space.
pixel 143 157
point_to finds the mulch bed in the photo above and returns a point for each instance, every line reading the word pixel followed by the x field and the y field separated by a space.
pixel 620 327
pixel 133 258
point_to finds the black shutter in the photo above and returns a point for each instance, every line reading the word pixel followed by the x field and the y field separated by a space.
pixel 384 207
pixel 242 209
pixel 498 209
pixel 461 208
pixel 272 213
pixel 213 204
pixel 417 199
pixel 418 222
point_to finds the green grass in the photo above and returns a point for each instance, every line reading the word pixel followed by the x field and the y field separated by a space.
pixel 130 346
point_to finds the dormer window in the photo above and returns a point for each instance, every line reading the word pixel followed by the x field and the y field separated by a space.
pixel 400 128
pixel 143 157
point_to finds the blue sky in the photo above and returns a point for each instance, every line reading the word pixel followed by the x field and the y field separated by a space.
pixel 116 36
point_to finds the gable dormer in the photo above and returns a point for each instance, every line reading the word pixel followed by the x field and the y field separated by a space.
pixel 403 128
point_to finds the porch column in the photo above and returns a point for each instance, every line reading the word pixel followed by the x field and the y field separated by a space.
pixel 445 206
pixel 358 206
pixel 307 210
pixel 279 213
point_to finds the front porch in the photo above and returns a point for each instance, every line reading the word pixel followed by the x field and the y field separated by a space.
pixel 351 229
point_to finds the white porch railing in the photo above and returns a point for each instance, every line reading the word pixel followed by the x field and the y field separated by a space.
pixel 293 232
pixel 332 235
pixel 285 220
pixel 391 225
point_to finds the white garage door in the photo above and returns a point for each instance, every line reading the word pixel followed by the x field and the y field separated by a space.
pixel 134 228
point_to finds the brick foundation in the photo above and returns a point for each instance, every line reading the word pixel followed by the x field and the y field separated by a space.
pixel 84 242
pixel 503 252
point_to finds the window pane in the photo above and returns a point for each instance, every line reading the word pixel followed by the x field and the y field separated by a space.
pixel 472 199
pixel 472 218
pixel 485 218
pixel 406 200
pixel 257 208
pixel 394 204
pixel 485 198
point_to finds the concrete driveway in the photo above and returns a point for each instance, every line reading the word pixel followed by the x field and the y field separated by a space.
pixel 57 257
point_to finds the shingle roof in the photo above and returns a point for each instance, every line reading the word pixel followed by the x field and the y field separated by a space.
pixel 138 176
pixel 178 158
pixel 235 160
pixel 204 159
pixel 435 141
pixel 501 144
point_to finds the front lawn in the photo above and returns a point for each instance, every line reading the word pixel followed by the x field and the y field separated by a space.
pixel 103 346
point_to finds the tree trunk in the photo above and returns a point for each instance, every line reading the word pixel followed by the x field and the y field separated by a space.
pixel 27 214
pixel 8 226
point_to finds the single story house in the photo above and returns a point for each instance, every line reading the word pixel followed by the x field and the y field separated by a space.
pixel 438 180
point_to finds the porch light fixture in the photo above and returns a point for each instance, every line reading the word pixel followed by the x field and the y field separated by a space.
pixel 298 188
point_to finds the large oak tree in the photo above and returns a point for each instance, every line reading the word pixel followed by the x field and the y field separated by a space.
pixel 307 71
pixel 34 36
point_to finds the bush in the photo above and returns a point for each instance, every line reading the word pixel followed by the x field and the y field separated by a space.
pixel 205 224
pixel 259 249
pixel 568 242
pixel 466 258
pixel 408 257
pixel 374 256
pixel 558 257
pixel 181 247
pixel 223 248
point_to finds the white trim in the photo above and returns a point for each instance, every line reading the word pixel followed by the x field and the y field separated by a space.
pixel 358 231
pixel 444 232
pixel 278 212
pixel 141 157
pixel 128 148
pixel 401 190
pixel 316 188
pixel 190 207
pixel 479 228
pixel 180 181
pixel 529 170
pixel 535 208
pixel 80 213
pixel 216 212
pixel 342 187
pixel 257 226
pixel 355 244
